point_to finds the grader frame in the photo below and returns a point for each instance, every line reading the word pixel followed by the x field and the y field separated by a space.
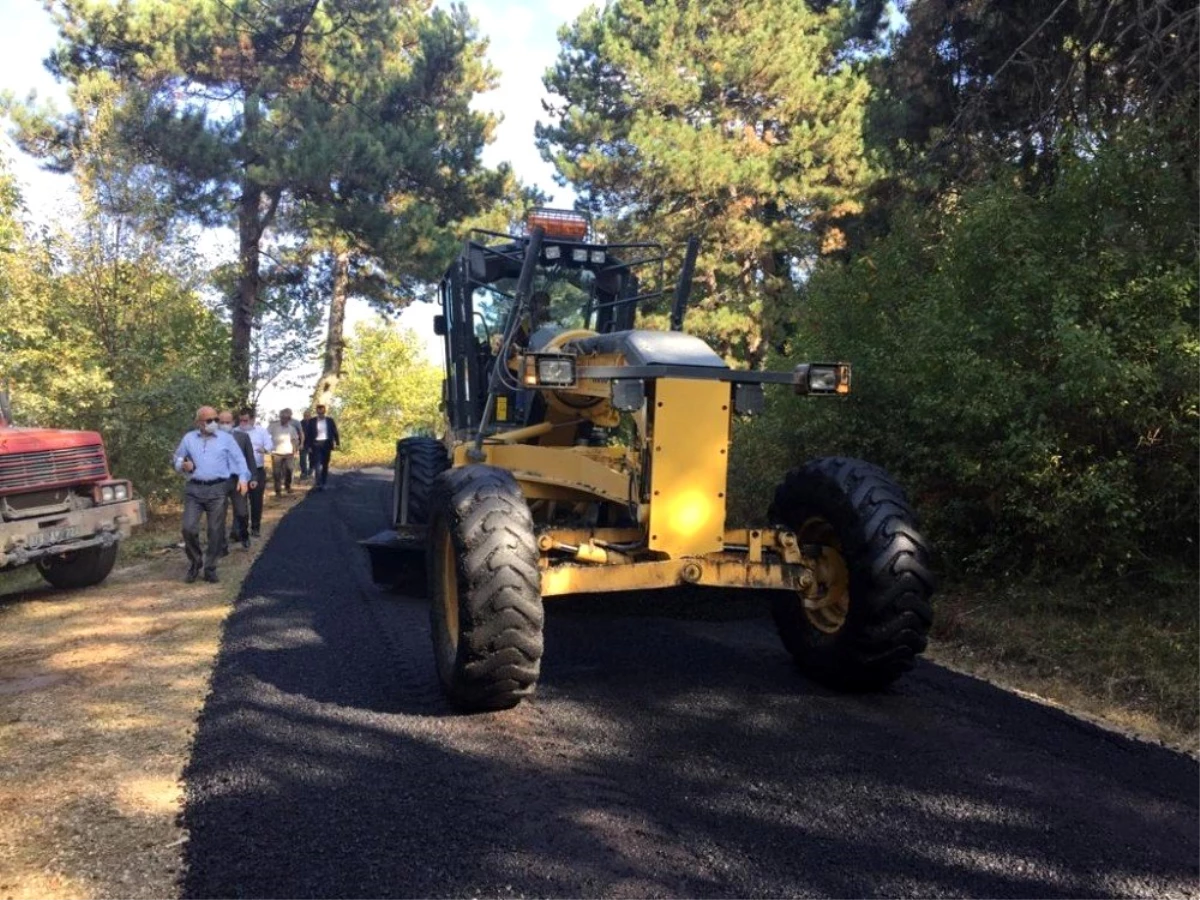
pixel 585 455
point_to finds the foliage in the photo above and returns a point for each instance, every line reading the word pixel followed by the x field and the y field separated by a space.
pixel 739 121
pixel 1027 364
pixel 977 87
pixel 388 390
pixel 113 337
pixel 350 117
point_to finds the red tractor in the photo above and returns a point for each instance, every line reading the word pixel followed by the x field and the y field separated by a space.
pixel 59 507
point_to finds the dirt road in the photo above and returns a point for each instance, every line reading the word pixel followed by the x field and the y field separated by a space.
pixel 663 756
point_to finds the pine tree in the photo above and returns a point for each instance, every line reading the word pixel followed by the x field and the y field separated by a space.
pixel 246 109
pixel 740 121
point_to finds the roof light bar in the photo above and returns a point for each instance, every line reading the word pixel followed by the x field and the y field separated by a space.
pixel 559 223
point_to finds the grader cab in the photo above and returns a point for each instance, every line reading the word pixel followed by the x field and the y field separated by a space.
pixel 584 454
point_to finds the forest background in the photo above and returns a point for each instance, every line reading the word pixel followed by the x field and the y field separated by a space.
pixel 990 208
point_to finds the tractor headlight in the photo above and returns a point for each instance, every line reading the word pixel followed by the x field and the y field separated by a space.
pixel 597 257
pixel 553 252
pixel 555 371
pixel 107 494
pixel 579 255
pixel 121 492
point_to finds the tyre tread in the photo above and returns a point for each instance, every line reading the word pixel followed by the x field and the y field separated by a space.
pixel 890 579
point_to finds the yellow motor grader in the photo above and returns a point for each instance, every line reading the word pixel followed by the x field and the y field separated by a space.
pixel 583 454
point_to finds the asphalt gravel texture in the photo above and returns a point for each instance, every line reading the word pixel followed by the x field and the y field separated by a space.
pixel 672 750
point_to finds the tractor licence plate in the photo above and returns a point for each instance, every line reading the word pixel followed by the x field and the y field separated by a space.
pixel 48 536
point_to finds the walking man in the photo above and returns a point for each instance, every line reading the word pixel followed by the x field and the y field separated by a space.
pixel 239 501
pixel 287 440
pixel 322 436
pixel 306 447
pixel 207 457
pixel 260 440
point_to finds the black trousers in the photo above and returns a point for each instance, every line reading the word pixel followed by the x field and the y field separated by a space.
pixel 256 498
pixel 240 505
pixel 208 500
pixel 321 451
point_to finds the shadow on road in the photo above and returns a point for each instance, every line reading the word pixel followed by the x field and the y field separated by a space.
pixel 663 756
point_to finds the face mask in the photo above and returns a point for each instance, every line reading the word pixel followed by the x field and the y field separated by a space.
pixel 211 427
pixel 227 426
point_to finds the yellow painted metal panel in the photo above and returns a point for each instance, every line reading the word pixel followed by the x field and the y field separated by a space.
pixel 689 464
pixel 577 473
pixel 719 570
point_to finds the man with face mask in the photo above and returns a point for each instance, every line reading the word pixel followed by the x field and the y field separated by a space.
pixel 208 457
pixel 238 500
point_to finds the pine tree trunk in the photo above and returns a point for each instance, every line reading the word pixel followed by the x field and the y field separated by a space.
pixel 334 342
pixel 246 301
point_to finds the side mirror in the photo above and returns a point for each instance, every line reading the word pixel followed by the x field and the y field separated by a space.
pixel 439 325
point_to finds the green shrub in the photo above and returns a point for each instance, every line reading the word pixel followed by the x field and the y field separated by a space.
pixel 1025 365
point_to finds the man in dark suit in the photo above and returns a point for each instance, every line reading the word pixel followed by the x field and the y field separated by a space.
pixel 239 502
pixel 321 433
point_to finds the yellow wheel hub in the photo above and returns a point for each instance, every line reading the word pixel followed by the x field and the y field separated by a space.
pixel 827 602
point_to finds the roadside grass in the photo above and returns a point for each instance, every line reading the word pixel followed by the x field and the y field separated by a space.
pixel 1127 654
pixel 159 534
pixel 364 453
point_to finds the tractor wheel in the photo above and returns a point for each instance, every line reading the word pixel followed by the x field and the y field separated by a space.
pixel 427 460
pixel 871 615
pixel 79 568
pixel 485 589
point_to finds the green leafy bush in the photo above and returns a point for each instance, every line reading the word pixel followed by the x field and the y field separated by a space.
pixel 1025 365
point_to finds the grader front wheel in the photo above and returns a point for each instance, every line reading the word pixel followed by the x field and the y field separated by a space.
pixel 485 589
pixel 868 614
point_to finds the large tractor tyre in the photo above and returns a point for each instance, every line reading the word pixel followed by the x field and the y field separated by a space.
pixel 871 616
pixel 79 568
pixel 485 589
pixel 427 459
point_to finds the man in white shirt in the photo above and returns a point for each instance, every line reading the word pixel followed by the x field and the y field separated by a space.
pixel 287 440
pixel 321 433
pixel 260 441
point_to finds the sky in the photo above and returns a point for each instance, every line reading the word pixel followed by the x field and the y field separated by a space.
pixel 523 44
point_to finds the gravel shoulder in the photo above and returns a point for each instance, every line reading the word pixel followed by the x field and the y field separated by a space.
pixel 99 693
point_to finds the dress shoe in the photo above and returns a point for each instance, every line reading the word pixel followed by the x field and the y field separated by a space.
pixel 211 577
pixel 246 544
pixel 192 572
pixel 254 532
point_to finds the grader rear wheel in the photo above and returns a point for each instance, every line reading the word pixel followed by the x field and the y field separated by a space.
pixel 426 460
pixel 485 589
pixel 869 615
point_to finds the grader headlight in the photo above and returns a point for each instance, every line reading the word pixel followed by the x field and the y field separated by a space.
pixel 821 378
pixel 551 370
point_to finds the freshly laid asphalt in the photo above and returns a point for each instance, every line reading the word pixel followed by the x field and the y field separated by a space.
pixel 664 756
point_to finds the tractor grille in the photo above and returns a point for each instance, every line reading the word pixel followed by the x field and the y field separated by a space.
pixel 44 468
